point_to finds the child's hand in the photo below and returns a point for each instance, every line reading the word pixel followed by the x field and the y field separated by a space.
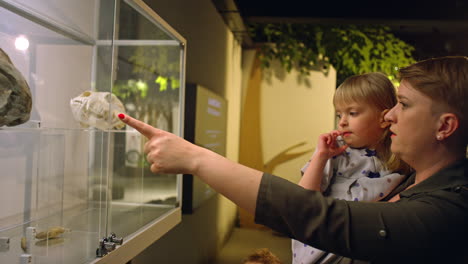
pixel 328 146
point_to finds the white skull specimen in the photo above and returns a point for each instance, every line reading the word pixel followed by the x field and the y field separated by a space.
pixel 15 96
pixel 98 109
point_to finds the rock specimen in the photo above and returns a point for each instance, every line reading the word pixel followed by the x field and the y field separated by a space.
pixel 15 95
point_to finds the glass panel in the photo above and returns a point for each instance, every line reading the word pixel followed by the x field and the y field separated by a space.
pixel 18 155
pixel 44 188
pixel 47 169
pixel 133 26
pixel 77 15
pixel 63 203
pixel 147 83
pixel 68 182
pixel 49 63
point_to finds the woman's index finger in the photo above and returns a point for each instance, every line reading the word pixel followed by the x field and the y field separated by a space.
pixel 145 129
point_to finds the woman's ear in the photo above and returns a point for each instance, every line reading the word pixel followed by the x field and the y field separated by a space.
pixel 383 123
pixel 448 124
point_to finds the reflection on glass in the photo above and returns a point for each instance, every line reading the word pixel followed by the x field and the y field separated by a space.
pixel 56 173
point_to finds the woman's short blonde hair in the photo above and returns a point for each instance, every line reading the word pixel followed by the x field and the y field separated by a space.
pixel 445 81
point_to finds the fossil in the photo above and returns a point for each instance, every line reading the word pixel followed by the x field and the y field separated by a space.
pixel 52 232
pixel 97 109
pixel 15 95
pixel 24 244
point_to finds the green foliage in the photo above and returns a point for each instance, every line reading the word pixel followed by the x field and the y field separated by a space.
pixel 149 81
pixel 156 60
pixel 348 48
pixel 130 89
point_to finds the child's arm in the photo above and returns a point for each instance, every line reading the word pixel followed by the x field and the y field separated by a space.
pixel 327 148
pixel 313 174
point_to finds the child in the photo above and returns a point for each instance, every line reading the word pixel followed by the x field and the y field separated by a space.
pixel 354 162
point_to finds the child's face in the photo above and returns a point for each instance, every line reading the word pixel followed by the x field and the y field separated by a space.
pixel 360 124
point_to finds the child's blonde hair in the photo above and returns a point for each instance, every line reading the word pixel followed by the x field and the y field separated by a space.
pixel 376 90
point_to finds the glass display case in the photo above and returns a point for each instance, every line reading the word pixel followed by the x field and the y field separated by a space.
pixel 75 185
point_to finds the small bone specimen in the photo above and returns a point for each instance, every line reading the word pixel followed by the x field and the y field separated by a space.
pixel 15 95
pixel 98 109
pixel 52 232
pixel 24 245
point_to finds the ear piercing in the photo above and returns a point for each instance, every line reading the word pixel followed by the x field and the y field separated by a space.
pixel 439 137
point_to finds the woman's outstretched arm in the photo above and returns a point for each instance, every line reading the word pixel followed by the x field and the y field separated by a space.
pixel 168 153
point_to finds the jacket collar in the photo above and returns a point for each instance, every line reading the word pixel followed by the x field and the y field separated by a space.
pixel 449 177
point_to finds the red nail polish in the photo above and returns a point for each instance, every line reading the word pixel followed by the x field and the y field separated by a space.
pixel 121 116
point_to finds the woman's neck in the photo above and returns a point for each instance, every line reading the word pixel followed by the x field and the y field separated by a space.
pixel 427 168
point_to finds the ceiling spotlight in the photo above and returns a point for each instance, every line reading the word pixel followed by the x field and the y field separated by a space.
pixel 21 43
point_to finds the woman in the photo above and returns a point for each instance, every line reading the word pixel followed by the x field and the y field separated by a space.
pixel 427 218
